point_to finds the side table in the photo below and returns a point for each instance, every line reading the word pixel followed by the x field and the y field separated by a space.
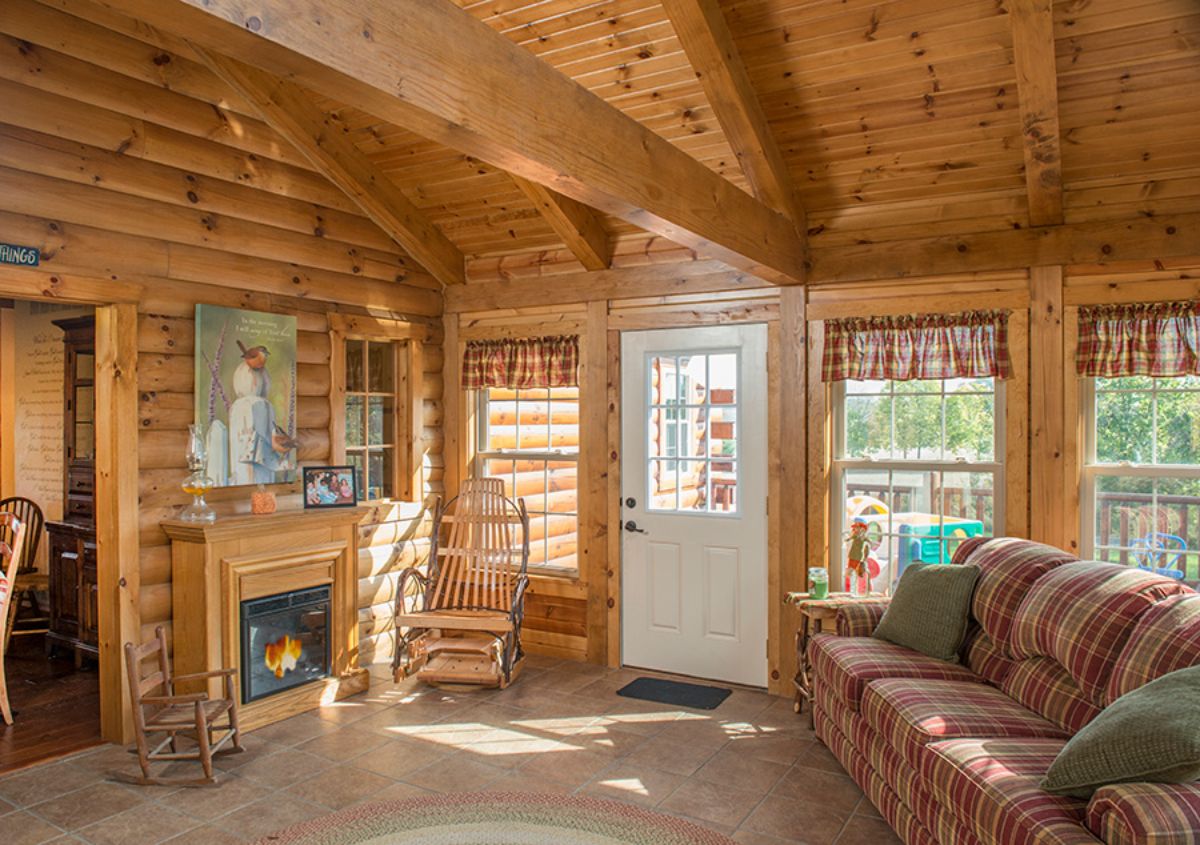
pixel 813 615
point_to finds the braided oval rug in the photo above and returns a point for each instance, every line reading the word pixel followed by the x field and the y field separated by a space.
pixel 497 818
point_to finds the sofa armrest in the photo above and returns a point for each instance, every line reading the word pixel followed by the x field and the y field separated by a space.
pixel 1146 814
pixel 860 618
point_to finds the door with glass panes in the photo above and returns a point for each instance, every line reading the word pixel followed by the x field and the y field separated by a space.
pixel 694 497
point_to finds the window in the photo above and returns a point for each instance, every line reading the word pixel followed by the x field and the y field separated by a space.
pixel 530 438
pixel 918 462
pixel 693 439
pixel 1141 477
pixel 372 430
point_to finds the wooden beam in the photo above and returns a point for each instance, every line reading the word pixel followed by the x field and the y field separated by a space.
pixel 1047 456
pixel 288 109
pixel 1037 96
pixel 619 283
pixel 709 45
pixel 580 227
pixel 492 99
pixel 1098 242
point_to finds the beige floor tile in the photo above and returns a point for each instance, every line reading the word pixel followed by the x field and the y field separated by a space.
pixel 284 768
pixel 20 828
pixel 817 756
pixel 613 739
pixel 861 830
pixel 253 747
pixel 571 768
pixel 784 748
pixel 458 773
pixel 42 783
pixel 721 804
pixel 88 805
pixel 730 765
pixel 351 710
pixel 749 837
pixel 634 784
pixel 207 835
pixel 671 755
pixel 522 781
pixel 292 731
pixel 397 758
pixel 866 808
pixel 397 792
pixel 206 804
pixel 339 787
pixel 838 792
pixel 147 824
pixel 342 745
pixel 787 818
pixel 272 813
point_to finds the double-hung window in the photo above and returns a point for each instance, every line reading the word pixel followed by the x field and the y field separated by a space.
pixel 1141 474
pixel 919 462
pixel 374 433
pixel 530 439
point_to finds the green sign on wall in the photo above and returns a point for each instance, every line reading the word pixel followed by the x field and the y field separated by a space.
pixel 22 256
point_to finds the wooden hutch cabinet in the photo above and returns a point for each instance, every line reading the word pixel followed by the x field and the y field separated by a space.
pixel 73 585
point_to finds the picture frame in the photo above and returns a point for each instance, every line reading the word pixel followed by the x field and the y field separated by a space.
pixel 326 487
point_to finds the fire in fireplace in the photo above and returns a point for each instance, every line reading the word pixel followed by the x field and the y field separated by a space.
pixel 285 641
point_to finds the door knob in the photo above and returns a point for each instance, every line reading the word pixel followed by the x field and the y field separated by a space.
pixel 632 526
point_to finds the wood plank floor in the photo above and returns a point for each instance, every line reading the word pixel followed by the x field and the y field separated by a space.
pixel 56 708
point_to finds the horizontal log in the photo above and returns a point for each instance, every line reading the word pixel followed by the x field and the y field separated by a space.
pixel 159 410
pixel 154 602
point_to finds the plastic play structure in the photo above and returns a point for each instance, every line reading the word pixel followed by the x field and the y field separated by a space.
pixel 1160 553
pixel 924 537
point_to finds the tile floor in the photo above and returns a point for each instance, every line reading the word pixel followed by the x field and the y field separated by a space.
pixel 750 768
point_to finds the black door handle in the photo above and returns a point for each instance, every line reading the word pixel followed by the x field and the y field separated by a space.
pixel 632 526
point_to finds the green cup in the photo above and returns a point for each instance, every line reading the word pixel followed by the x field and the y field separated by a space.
pixel 818 578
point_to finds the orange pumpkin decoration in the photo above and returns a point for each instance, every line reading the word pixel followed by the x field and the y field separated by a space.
pixel 262 501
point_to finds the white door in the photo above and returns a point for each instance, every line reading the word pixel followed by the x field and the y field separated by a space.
pixel 694 502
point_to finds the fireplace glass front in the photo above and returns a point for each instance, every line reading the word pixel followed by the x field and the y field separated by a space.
pixel 285 641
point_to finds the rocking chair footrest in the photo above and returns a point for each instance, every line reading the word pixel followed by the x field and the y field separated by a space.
pixel 456 620
pixel 459 645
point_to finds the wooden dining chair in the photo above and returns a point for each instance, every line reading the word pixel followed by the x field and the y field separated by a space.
pixel 10 559
pixel 194 716
pixel 28 580
pixel 466 628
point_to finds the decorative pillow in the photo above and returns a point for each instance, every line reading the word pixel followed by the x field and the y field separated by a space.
pixel 1150 735
pixel 930 609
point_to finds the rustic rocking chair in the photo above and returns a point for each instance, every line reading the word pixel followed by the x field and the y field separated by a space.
pixel 194 715
pixel 10 560
pixel 466 628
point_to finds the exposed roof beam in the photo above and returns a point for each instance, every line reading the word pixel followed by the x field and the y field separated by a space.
pixel 1100 242
pixel 1037 94
pixel 430 67
pixel 708 42
pixel 288 110
pixel 580 227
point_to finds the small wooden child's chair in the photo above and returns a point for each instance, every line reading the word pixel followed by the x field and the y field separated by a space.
pixel 171 714
pixel 10 559
pixel 474 591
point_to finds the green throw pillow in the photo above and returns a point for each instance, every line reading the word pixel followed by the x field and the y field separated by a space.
pixel 930 608
pixel 1150 735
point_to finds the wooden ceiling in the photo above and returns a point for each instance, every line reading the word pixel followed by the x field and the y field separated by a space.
pixel 896 120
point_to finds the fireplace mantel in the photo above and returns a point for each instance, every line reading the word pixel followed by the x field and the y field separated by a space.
pixel 217 565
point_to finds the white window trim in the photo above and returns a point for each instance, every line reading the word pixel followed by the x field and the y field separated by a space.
pixel 1092 470
pixel 838 466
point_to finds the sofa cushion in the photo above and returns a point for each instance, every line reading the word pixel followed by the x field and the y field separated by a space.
pixel 1146 814
pixel 1045 688
pixel 983 657
pixel 910 714
pixel 1008 567
pixel 992 786
pixel 1152 734
pixel 847 664
pixel 1166 638
pixel 1081 614
pixel 930 609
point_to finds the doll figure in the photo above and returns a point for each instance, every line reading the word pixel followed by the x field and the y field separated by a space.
pixel 858 550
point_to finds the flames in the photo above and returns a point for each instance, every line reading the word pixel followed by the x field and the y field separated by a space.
pixel 282 655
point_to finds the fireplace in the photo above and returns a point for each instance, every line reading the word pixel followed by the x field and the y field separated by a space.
pixel 285 641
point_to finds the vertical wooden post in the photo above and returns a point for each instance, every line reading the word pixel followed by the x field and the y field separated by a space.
pixel 791 502
pixel 593 476
pixel 7 403
pixel 453 457
pixel 413 424
pixel 118 573
pixel 1073 435
pixel 1047 470
pixel 337 397
pixel 1016 430
pixel 613 503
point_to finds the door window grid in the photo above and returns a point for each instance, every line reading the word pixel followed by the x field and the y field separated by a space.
pixel 920 495
pixel 530 439
pixel 1141 474
pixel 692 405
pixel 370 416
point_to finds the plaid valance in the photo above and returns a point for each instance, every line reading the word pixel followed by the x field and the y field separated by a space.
pixel 973 344
pixel 1145 339
pixel 523 363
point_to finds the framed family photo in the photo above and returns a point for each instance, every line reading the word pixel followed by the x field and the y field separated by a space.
pixel 330 487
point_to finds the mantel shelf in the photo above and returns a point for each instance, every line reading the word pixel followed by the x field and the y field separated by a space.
pixel 246 525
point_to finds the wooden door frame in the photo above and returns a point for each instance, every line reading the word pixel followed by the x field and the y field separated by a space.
pixel 116 504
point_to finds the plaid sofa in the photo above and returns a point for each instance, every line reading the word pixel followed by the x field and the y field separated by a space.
pixel 953 753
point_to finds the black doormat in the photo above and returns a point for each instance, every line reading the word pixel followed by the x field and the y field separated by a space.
pixel 679 694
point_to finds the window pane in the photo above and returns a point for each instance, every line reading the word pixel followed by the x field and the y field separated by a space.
pixel 1124 426
pixel 722 432
pixel 693 433
pixel 356 380
pixel 693 486
pixel 375 475
pixel 722 379
pixel 1178 427
pixel 533 420
pixel 664 481
pixel 970 425
pixel 868 426
pixel 356 460
pixel 691 378
pixel 354 421
pixel 379 417
pixel 85 403
pixel 918 427
pixel 723 486
pixel 1125 514
pixel 1177 542
pixel 867 387
pixel 381 368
